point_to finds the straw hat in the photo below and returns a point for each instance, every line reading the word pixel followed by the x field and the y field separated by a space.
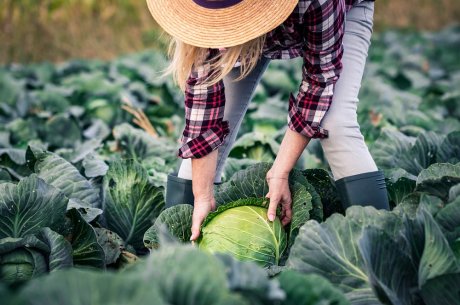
pixel 219 23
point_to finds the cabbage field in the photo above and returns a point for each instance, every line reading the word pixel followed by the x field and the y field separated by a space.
pixel 86 146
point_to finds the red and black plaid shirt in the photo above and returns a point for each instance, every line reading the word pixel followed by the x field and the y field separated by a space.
pixel 314 30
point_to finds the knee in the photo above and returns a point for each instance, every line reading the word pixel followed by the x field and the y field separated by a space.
pixel 340 129
pixel 344 136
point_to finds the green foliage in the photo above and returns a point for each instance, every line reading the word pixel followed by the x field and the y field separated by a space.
pixel 24 258
pixel 80 186
pixel 371 243
pixel 29 206
pixel 309 289
pixel 131 202
pixel 178 221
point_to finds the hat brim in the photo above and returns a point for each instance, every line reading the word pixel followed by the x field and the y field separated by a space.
pixel 224 27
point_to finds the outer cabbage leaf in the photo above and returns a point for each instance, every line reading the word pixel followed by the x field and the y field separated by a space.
pixel 30 205
pixel 316 212
pixel 396 150
pixel 13 161
pixel 94 166
pixel 80 150
pixel 437 258
pixel 442 290
pixel 183 282
pixel 87 212
pixel 438 179
pixel 331 250
pixel 61 174
pixel 4 175
pixel 131 202
pixel 449 151
pixel 251 183
pixel 391 270
pixel 82 287
pixel 86 249
pixel 233 165
pixel 448 219
pixel 111 243
pixel 356 252
pixel 439 270
pixel 250 281
pixel 137 144
pixel 309 289
pixel 325 187
pixel 178 221
pixel 301 210
pixel 397 191
pixel 454 192
pixel 246 183
pixel 4 293
pixel 61 130
pixel 255 146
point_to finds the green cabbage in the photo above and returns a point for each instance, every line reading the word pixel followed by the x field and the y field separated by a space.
pixel 25 258
pixel 250 236
pixel 243 230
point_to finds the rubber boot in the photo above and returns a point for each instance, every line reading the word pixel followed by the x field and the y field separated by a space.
pixel 364 189
pixel 179 191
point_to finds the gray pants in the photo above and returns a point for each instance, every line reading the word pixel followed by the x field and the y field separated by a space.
pixel 345 149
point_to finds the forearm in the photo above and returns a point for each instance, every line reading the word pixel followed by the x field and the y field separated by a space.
pixel 291 148
pixel 203 174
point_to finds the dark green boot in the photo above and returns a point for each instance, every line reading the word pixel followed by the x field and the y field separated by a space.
pixel 364 189
pixel 179 191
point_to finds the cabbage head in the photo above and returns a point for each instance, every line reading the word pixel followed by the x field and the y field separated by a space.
pixel 243 230
pixel 240 226
pixel 25 258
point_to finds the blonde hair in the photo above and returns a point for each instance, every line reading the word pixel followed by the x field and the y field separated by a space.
pixel 184 58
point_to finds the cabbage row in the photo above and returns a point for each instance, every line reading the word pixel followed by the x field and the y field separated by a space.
pixel 82 217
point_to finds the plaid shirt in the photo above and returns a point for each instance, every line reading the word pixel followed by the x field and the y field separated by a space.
pixel 314 30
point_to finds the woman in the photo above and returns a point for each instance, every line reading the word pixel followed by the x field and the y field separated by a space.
pixel 219 52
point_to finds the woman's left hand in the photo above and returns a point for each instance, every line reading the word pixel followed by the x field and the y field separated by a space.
pixel 279 193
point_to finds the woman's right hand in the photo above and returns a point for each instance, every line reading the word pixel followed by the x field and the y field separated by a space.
pixel 201 208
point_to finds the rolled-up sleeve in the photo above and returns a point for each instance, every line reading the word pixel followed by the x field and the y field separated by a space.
pixel 322 64
pixel 204 129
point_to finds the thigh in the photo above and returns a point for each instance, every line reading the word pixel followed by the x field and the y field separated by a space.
pixel 345 149
pixel 356 42
pixel 238 95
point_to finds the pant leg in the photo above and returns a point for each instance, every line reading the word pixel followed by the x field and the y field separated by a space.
pixel 345 149
pixel 237 97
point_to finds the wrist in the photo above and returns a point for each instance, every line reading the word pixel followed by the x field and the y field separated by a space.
pixel 279 171
pixel 200 197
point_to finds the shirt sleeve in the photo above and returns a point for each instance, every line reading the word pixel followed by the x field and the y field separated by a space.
pixel 324 29
pixel 204 129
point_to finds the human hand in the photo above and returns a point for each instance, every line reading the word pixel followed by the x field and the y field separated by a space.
pixel 279 193
pixel 201 208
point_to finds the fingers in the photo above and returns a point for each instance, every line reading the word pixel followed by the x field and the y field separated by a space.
pixel 272 208
pixel 287 217
pixel 197 220
pixel 287 211
pixel 200 211
pixel 195 230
